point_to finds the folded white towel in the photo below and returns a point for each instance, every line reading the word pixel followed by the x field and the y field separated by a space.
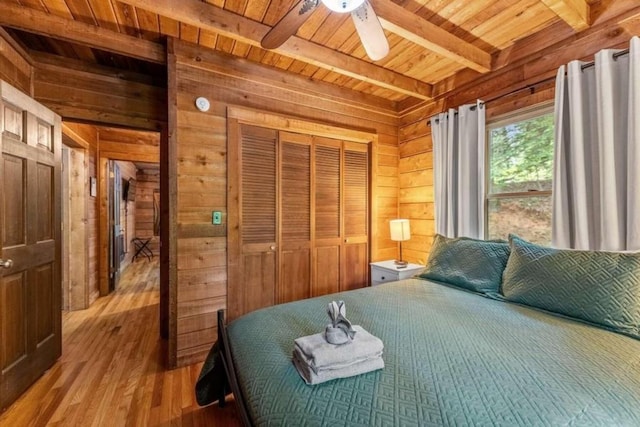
pixel 320 354
pixel 307 361
pixel 312 378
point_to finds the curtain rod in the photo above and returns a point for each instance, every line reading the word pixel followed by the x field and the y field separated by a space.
pixel 615 56
pixel 531 87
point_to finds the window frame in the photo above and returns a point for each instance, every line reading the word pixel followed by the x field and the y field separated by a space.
pixel 520 115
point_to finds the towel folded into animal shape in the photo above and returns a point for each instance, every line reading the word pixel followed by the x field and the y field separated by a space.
pixel 340 330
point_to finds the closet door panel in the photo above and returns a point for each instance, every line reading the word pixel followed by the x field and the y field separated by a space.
pixel 295 271
pixel 327 188
pixel 356 216
pixel 328 228
pixel 259 279
pixel 253 260
pixel 327 276
pixel 295 217
pixel 356 266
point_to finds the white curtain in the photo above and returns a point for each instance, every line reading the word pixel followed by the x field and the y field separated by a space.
pixel 458 165
pixel 596 182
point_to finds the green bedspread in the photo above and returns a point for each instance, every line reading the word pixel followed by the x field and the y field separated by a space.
pixel 452 358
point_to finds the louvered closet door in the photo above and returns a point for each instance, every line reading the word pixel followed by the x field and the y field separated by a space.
pixel 295 217
pixel 328 232
pixel 298 217
pixel 254 284
pixel 355 187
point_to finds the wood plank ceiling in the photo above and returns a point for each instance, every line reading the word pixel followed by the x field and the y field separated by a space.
pixel 430 40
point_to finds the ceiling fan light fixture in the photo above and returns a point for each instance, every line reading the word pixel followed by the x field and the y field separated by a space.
pixel 343 6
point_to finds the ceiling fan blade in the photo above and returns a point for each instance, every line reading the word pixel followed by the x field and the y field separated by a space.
pixel 289 24
pixel 370 31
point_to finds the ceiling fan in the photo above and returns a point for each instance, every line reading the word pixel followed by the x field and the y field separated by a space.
pixel 365 19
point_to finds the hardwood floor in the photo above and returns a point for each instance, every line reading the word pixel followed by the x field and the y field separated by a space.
pixel 111 372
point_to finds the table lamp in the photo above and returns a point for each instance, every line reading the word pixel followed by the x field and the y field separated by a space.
pixel 400 231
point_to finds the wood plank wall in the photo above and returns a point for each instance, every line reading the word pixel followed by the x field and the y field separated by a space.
pixel 416 189
pixel 148 184
pixel 89 134
pixel 199 143
pixel 76 204
pixel 15 66
pixel 82 92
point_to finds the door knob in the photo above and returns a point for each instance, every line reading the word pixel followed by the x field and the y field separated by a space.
pixel 6 263
pixel 272 247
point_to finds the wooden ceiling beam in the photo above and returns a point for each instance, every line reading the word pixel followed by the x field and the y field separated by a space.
pixel 533 59
pixel 33 21
pixel 410 26
pixel 576 13
pixel 212 18
pixel 73 139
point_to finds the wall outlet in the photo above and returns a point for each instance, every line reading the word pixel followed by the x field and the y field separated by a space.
pixel 216 217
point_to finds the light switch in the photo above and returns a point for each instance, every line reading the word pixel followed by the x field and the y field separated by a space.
pixel 217 217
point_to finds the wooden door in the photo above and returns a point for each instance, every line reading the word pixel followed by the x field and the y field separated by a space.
pixel 253 195
pixel 355 187
pixel 30 218
pixel 294 217
pixel 327 210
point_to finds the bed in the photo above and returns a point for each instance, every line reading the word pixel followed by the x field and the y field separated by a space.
pixel 452 357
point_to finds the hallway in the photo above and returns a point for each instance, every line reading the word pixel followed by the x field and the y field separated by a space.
pixel 111 372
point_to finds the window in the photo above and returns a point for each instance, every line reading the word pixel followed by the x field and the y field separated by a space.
pixel 520 167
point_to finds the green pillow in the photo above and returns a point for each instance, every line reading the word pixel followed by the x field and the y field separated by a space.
pixel 599 287
pixel 476 265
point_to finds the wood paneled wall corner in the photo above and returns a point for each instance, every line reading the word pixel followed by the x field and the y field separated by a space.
pixel 197 156
pixel 415 177
pixel 75 228
pixel 385 197
pixel 86 137
pixel 16 65
pixel 513 85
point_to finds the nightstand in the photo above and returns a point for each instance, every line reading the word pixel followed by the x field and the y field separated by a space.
pixel 388 271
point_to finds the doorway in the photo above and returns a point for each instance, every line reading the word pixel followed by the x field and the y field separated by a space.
pixel 117 211
pixel 117 248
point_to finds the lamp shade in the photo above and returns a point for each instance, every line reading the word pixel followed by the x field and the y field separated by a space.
pixel 400 229
pixel 342 6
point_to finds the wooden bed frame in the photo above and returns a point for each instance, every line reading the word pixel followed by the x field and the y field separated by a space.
pixel 230 370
